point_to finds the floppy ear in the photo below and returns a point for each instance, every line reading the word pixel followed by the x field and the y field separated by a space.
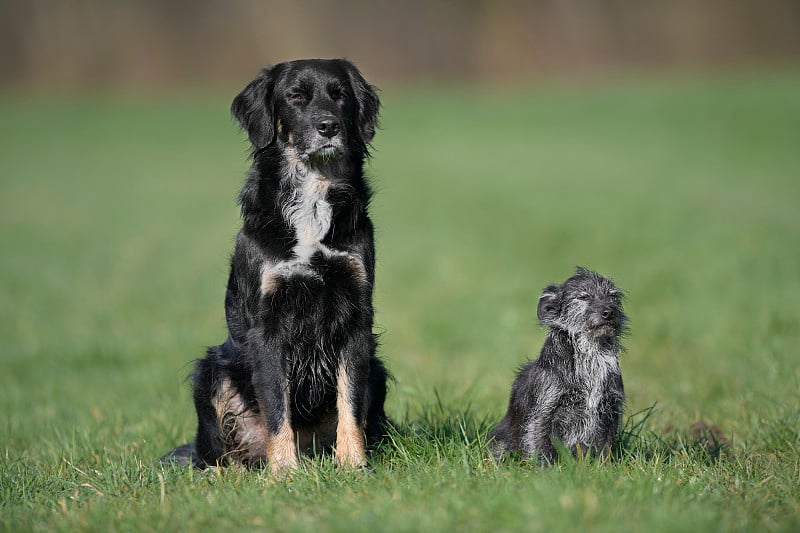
pixel 549 305
pixel 253 109
pixel 368 103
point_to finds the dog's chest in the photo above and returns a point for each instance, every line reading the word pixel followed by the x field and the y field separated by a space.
pixel 593 367
pixel 582 412
pixel 309 213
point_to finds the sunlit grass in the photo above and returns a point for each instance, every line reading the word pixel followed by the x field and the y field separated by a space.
pixel 117 217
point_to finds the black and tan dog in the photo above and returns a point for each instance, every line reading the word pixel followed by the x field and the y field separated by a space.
pixel 298 372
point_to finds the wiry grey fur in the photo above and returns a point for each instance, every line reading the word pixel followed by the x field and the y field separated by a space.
pixel 573 392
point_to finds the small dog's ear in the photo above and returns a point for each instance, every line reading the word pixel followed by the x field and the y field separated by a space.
pixel 368 103
pixel 549 305
pixel 253 109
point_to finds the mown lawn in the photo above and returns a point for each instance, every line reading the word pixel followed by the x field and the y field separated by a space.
pixel 117 216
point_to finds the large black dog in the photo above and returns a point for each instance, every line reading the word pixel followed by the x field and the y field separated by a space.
pixel 298 371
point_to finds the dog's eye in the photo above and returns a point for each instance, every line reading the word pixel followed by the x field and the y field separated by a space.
pixel 296 97
pixel 583 296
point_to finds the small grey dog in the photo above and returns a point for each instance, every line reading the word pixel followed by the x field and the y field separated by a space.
pixel 573 392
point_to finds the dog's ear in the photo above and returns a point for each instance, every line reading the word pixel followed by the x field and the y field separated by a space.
pixel 549 305
pixel 368 103
pixel 253 109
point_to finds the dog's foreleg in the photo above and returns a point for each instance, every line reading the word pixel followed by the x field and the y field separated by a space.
pixel 281 446
pixel 351 382
pixel 610 417
pixel 272 394
pixel 537 433
pixel 536 441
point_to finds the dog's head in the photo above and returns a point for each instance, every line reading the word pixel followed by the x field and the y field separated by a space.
pixel 586 303
pixel 323 109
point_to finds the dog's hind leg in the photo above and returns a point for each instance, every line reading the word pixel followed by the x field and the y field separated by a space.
pixel 208 447
pixel 210 441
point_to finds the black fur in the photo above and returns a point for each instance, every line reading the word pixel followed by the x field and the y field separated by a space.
pixel 298 303
pixel 573 392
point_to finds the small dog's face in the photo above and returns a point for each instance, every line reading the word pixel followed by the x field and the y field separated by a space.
pixel 321 109
pixel 586 303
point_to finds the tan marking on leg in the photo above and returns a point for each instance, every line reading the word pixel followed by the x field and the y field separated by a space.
pixel 243 429
pixel 221 399
pixel 350 440
pixel 281 447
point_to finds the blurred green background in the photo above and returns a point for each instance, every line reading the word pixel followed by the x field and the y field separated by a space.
pixel 657 145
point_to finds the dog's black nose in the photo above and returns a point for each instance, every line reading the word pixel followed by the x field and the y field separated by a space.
pixel 328 127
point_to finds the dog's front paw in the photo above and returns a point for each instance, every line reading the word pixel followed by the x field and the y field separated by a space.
pixel 282 451
pixel 280 469
pixel 351 458
pixel 350 446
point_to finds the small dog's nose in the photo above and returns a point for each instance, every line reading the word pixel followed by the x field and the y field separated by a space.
pixel 328 127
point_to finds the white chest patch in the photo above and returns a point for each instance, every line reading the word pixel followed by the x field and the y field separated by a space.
pixel 593 365
pixel 308 211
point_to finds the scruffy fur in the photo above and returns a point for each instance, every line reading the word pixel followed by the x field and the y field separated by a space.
pixel 573 392
pixel 298 372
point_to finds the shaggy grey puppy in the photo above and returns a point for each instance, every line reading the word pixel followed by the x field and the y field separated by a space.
pixel 573 392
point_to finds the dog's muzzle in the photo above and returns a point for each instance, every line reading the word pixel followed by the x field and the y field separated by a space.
pixel 605 322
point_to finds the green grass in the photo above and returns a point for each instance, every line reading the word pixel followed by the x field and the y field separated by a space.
pixel 117 217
